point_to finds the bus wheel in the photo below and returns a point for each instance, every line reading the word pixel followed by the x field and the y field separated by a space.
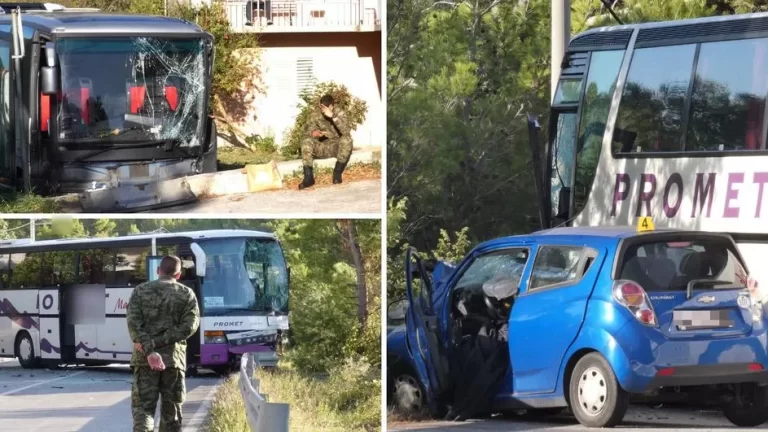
pixel 25 351
pixel 749 408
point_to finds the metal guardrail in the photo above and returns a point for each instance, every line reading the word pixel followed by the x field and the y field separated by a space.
pixel 282 15
pixel 263 416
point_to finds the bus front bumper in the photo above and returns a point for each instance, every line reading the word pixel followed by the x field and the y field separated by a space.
pixel 223 354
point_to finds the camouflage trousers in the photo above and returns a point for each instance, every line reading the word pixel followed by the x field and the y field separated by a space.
pixel 340 148
pixel 147 386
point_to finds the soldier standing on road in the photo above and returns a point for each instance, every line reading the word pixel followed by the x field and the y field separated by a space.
pixel 162 315
pixel 326 135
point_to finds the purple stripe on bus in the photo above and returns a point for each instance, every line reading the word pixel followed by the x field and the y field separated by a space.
pixel 207 351
pixel 47 346
pixel 242 349
pixel 27 322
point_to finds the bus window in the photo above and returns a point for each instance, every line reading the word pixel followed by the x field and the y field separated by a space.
pixel 95 264
pixel 5 107
pixel 5 275
pixel 130 267
pixel 64 267
pixel 25 270
pixel 728 98
pixel 601 82
pixel 653 101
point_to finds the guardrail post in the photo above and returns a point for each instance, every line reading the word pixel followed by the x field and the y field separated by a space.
pixel 274 417
pixel 249 366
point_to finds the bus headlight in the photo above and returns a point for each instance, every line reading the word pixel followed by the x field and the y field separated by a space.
pixel 215 337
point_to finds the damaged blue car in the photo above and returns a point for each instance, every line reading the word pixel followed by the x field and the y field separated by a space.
pixel 580 318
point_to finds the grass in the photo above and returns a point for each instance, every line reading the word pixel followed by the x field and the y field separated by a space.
pixel 349 399
pixel 324 176
pixel 27 203
pixel 235 157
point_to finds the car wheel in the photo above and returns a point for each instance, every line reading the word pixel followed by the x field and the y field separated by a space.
pixel 596 398
pixel 750 410
pixel 25 351
pixel 408 394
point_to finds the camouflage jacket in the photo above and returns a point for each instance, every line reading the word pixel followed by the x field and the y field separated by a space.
pixel 332 128
pixel 162 315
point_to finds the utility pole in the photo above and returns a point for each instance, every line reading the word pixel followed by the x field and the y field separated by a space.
pixel 32 230
pixel 561 35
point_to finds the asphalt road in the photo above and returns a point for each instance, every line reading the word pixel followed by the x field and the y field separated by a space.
pixel 353 197
pixel 95 399
pixel 645 419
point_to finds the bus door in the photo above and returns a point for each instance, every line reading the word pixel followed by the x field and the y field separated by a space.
pixel 7 116
pixel 51 330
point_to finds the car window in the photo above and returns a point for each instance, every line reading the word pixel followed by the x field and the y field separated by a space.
pixel 496 272
pixel 556 265
pixel 670 266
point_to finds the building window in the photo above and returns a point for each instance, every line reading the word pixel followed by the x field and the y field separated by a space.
pixel 305 75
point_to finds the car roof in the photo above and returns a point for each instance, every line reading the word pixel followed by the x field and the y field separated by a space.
pixel 604 235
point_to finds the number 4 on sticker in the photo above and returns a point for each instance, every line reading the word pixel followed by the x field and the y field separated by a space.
pixel 645 224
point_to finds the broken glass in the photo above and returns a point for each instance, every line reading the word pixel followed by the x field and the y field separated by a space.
pixel 131 89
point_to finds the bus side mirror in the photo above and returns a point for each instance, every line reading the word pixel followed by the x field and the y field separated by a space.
pixel 49 76
pixel 49 81
pixel 200 263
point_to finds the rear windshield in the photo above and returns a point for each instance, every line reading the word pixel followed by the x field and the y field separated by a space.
pixel 670 266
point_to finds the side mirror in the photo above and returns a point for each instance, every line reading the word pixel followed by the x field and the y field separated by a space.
pixel 49 80
pixel 397 309
pixel 200 264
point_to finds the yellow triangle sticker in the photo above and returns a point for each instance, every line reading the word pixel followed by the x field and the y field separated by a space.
pixel 645 224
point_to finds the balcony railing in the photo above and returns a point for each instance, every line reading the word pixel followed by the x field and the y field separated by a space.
pixel 301 16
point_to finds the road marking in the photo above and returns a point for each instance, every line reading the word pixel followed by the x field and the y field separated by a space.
pixel 196 422
pixel 40 383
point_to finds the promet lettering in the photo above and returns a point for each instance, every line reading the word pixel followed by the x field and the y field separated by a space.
pixel 674 189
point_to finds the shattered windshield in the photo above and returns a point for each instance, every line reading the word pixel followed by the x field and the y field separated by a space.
pixel 127 89
pixel 244 274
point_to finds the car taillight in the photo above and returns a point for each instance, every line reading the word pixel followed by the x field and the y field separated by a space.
pixel 635 299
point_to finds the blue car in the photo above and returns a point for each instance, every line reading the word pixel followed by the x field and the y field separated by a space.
pixel 582 318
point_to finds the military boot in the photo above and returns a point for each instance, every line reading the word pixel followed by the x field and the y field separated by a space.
pixel 337 170
pixel 309 178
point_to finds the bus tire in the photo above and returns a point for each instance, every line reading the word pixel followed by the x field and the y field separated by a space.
pixel 596 398
pixel 25 351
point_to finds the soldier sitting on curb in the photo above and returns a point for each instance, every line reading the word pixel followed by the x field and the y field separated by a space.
pixel 326 135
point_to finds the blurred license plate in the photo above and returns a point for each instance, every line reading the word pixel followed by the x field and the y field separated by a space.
pixel 690 320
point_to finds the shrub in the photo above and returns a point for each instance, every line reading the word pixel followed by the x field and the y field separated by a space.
pixel 354 107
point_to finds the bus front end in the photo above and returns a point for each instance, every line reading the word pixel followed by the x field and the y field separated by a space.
pixel 244 297
pixel 124 117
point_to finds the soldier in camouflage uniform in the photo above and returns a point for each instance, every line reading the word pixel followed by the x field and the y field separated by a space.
pixel 326 135
pixel 162 315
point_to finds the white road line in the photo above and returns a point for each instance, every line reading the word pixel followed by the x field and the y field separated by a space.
pixel 197 420
pixel 40 383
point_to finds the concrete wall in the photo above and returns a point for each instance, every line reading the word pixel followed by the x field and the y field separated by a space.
pixel 286 60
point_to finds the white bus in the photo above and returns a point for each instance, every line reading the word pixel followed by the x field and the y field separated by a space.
pixel 64 301
pixel 664 119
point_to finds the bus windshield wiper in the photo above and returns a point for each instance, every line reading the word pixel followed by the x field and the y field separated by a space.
pixel 169 144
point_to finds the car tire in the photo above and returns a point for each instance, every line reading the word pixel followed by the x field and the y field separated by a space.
pixel 748 414
pixel 408 396
pixel 596 398
pixel 25 351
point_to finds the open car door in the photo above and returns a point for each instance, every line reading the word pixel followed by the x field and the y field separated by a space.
pixel 425 341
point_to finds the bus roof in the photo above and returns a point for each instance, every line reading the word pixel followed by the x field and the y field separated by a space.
pixel 193 235
pixel 62 23
pixel 749 27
